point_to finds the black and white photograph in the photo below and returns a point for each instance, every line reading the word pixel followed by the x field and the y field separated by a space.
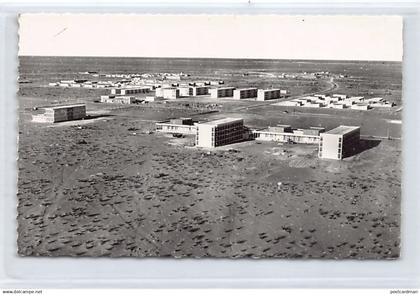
pixel 209 136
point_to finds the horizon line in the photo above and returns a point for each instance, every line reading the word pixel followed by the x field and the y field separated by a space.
pixel 239 58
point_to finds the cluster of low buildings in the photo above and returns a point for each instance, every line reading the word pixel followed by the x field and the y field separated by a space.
pixel 218 91
pixel 168 86
pixel 124 95
pixel 175 91
pixel 146 81
pixel 83 84
pixel 338 101
pixel 334 144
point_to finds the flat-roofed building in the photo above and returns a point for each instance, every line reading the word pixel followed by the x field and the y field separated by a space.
pixel 312 105
pixel 61 113
pixel 267 94
pixel 290 103
pixel 159 93
pixel 184 91
pixel 285 134
pixel 245 93
pixel 130 91
pixel 339 142
pixel 199 90
pixel 221 92
pixel 181 125
pixel 153 98
pixel 170 93
pixel 341 96
pixel 382 104
pixel 360 106
pixel 220 132
pixel 315 131
pixel 182 121
pixel 281 129
pixel 118 99
pixel 338 105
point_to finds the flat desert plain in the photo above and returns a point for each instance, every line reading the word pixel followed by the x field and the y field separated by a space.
pixel 111 186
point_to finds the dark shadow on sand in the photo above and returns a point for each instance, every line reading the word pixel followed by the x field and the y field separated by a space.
pixel 94 116
pixel 364 144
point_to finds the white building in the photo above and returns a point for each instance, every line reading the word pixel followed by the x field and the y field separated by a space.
pixel 220 132
pixel 184 126
pixel 199 90
pixel 167 93
pixel 290 103
pixel 118 99
pixel 312 105
pixel 337 105
pixel 61 113
pixel 221 92
pixel 153 98
pixel 130 91
pixel 285 134
pixel 339 142
pixel 184 91
pixel 267 94
pixel 341 96
pixel 360 106
pixel 245 93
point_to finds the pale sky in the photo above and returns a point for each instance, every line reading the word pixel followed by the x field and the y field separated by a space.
pixel 213 36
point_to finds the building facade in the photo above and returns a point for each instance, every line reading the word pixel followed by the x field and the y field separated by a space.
pixel 61 113
pixel 183 126
pixel 118 99
pixel 184 91
pixel 360 106
pixel 199 90
pixel 285 134
pixel 339 143
pixel 221 92
pixel 152 98
pixel 130 91
pixel 167 93
pixel 220 132
pixel 267 94
pixel 245 93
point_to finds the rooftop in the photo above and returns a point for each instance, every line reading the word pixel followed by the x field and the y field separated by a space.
pixel 133 88
pixel 200 86
pixel 64 106
pixel 341 130
pixel 266 90
pixel 224 88
pixel 245 89
pixel 222 121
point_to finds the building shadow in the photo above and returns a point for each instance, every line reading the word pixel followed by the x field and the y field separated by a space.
pixel 363 145
pixel 95 116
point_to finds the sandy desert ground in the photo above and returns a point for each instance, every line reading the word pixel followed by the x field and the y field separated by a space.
pixel 106 187
pixel 110 186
